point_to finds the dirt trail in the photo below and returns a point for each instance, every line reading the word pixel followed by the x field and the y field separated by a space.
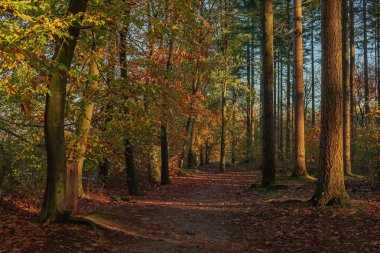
pixel 212 212
pixel 193 214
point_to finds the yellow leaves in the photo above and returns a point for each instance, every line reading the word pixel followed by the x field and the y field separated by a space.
pixel 109 20
pixel 19 57
pixel 175 27
pixel 11 90
pixel 24 16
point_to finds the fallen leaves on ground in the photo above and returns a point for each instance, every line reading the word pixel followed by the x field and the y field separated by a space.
pixel 204 212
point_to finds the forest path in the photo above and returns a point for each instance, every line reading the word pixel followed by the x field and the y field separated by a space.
pixel 208 211
pixel 196 213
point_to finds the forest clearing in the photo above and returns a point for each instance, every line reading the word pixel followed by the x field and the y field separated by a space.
pixel 190 126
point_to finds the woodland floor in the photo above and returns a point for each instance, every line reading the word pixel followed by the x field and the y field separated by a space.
pixel 206 212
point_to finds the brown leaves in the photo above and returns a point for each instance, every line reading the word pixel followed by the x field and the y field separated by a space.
pixel 205 212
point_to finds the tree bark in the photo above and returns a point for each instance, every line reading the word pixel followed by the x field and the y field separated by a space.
pixel 268 142
pixel 352 81
pixel 165 178
pixel 132 177
pixel 346 92
pixel 288 97
pixel 280 112
pixel 299 148
pixel 330 187
pixel 249 106
pixel 85 123
pixel 234 156
pixel 312 78
pixel 54 206
pixel 188 143
pixel 207 153
pixel 222 166
pixel 365 48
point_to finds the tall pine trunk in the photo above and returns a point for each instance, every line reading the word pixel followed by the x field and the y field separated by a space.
pixel 299 148
pixel 312 78
pixel 346 92
pixel 280 112
pixel 222 166
pixel 365 48
pixel 54 206
pixel 268 141
pixel 222 162
pixel 234 156
pixel 330 187
pixel 249 105
pixel 288 94
pixel 352 81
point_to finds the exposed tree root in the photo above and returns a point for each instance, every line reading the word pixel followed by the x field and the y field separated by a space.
pixel 86 221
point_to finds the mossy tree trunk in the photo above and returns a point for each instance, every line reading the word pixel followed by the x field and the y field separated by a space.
pixel 54 206
pixel 268 142
pixel 330 187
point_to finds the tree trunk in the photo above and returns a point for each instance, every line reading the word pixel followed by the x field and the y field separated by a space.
pixel 352 80
pixel 378 62
pixel 165 178
pixel 85 123
pixel 268 143
pixel 201 156
pixel 299 148
pixel 234 156
pixel 132 178
pixel 365 48
pixel 280 113
pixel 188 143
pixel 330 187
pixel 346 92
pixel 252 91
pixel 312 78
pixel 54 206
pixel 208 153
pixel 249 106
pixel 288 97
pixel 222 166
